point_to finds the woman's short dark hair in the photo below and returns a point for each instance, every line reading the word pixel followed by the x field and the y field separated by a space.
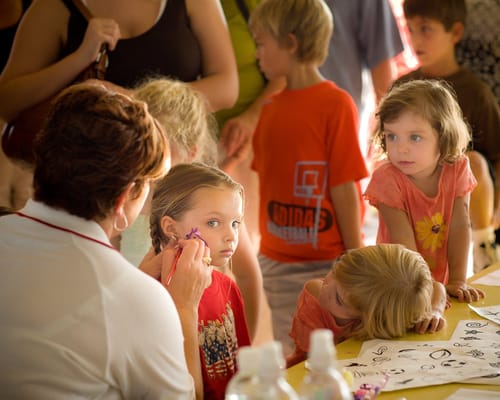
pixel 95 143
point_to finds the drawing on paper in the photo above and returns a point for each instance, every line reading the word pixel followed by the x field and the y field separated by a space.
pixel 472 352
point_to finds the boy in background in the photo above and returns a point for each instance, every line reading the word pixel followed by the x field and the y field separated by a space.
pixel 306 154
pixel 435 28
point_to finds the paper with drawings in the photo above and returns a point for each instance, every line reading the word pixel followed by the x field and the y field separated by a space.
pixel 472 352
pixel 486 339
pixel 489 312
pixel 491 279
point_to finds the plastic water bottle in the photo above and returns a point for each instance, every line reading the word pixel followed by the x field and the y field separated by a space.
pixel 244 384
pixel 260 375
pixel 323 381
pixel 272 382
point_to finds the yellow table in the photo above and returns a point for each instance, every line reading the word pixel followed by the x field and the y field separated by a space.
pixel 459 311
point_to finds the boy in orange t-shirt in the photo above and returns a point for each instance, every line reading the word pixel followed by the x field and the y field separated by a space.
pixel 307 156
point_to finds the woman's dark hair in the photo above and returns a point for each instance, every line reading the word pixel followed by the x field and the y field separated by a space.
pixel 95 143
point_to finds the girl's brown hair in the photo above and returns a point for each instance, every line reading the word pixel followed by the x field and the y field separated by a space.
pixel 436 102
pixel 173 195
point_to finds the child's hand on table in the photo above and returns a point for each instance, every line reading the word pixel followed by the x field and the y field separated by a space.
pixel 430 325
pixel 463 292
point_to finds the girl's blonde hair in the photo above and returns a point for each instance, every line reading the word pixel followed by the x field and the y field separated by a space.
pixel 310 21
pixel 436 102
pixel 183 113
pixel 173 194
pixel 390 285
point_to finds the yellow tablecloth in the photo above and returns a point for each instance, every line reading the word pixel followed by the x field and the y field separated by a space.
pixel 459 311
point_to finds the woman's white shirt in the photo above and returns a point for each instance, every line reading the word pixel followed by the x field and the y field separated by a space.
pixel 78 320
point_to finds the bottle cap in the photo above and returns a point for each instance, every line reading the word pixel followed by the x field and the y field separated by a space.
pixel 248 360
pixel 322 350
pixel 272 361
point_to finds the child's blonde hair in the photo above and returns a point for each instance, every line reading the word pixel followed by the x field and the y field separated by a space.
pixel 184 116
pixel 173 194
pixel 390 285
pixel 310 21
pixel 434 101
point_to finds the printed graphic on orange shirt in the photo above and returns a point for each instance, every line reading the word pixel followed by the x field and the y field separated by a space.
pixel 219 344
pixel 301 223
pixel 431 232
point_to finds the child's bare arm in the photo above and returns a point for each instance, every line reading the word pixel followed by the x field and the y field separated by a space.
pixel 458 249
pixel 346 200
pixel 400 229
pixel 248 276
pixel 238 130
pixel 437 321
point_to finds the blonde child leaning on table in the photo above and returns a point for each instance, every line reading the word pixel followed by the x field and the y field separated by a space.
pixel 422 189
pixel 378 291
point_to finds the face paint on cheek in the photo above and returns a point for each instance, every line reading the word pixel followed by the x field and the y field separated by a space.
pixel 195 233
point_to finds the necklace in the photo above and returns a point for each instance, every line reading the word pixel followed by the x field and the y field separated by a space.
pixel 60 228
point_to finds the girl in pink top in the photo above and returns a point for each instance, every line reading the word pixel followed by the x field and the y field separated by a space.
pixel 377 291
pixel 422 190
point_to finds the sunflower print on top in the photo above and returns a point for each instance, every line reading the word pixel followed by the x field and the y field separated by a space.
pixel 429 216
pixel 431 232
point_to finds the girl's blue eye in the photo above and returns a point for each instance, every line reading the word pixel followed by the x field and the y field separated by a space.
pixel 212 223
pixel 236 224
pixel 416 138
pixel 391 137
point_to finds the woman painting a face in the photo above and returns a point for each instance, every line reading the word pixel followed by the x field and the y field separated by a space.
pixel 79 306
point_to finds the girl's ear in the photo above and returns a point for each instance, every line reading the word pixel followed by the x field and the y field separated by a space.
pixel 168 226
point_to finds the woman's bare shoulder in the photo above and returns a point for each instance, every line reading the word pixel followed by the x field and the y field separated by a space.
pixel 46 15
pixel 54 8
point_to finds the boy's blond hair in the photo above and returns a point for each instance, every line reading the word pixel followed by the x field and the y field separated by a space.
pixel 434 101
pixel 183 114
pixel 310 21
pixel 390 285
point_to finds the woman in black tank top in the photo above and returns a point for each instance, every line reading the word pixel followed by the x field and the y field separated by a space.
pixel 182 39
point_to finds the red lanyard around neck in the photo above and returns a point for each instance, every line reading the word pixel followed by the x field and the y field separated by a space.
pixel 60 228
